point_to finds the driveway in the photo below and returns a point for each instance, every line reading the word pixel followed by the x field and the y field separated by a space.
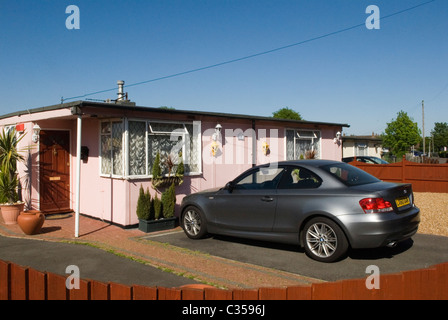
pixel 421 251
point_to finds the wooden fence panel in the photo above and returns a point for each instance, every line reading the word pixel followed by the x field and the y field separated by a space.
pixel 272 293
pixel 56 287
pixel 18 282
pixel 120 292
pixel 144 293
pixel 245 294
pixel 442 281
pixel 217 294
pixel 99 290
pixel 298 293
pixel 37 285
pixel 424 177
pixel 5 275
pixel 327 291
pixel 82 293
pixel 391 287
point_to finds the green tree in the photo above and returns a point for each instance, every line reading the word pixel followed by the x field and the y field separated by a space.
pixel 401 134
pixel 440 135
pixel 287 113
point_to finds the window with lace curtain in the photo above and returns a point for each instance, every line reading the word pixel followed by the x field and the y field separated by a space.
pixel 111 152
pixel 299 143
pixel 146 138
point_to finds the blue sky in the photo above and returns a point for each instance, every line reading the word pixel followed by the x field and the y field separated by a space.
pixel 361 77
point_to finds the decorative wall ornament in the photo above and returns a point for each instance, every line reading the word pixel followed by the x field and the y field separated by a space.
pixel 215 148
pixel 266 149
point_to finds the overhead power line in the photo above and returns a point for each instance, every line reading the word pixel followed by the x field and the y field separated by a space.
pixel 252 55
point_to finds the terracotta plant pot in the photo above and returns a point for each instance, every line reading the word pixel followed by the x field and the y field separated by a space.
pixel 31 221
pixel 10 212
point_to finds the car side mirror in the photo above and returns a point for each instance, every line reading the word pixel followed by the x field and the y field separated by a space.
pixel 229 186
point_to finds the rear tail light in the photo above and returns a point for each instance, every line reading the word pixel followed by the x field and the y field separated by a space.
pixel 375 205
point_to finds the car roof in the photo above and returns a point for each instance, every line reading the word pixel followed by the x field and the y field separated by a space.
pixel 309 162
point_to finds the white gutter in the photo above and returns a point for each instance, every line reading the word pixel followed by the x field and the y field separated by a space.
pixel 78 175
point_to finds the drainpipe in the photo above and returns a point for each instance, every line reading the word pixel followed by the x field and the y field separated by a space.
pixel 254 144
pixel 78 174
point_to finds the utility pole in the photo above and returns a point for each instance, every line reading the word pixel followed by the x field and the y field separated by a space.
pixel 423 121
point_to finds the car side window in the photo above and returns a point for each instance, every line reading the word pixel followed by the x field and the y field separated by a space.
pixel 299 178
pixel 261 178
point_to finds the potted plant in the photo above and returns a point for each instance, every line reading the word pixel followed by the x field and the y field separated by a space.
pixel 163 181
pixel 10 155
pixel 156 214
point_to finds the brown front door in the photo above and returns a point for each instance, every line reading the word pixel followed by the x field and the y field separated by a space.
pixel 54 168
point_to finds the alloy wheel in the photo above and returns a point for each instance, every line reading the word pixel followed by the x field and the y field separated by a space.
pixel 322 240
pixel 192 222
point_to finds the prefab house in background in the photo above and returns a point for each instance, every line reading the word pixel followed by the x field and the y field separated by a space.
pixel 92 157
pixel 356 146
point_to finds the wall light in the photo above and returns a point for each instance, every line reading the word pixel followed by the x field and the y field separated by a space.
pixel 36 132
pixel 338 138
pixel 217 133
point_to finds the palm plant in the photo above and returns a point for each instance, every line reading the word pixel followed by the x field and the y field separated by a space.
pixel 9 156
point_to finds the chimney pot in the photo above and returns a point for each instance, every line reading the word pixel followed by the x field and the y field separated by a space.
pixel 120 90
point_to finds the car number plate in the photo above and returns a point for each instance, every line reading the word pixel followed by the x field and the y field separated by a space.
pixel 401 202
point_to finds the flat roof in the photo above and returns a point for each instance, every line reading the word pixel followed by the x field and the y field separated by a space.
pixel 78 105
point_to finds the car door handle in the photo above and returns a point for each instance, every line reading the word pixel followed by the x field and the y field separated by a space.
pixel 267 199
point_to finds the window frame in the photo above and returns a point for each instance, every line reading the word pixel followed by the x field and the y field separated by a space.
pixel 101 134
pixel 297 136
pixel 125 172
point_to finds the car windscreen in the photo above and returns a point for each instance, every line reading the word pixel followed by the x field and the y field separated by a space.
pixel 348 174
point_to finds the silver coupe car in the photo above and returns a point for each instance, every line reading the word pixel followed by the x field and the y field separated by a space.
pixel 324 206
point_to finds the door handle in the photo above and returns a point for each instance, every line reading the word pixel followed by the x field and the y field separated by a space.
pixel 267 199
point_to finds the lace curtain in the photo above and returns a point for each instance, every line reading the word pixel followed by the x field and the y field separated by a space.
pixel 298 142
pixel 146 138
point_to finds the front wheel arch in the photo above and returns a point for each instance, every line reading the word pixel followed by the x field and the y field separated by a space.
pixel 193 222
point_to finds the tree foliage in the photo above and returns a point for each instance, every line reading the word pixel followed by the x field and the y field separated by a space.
pixel 440 135
pixel 287 113
pixel 401 134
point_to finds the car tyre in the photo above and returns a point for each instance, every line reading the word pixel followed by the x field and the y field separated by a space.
pixel 324 240
pixel 194 223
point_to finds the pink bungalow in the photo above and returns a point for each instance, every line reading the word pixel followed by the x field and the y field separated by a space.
pixel 92 158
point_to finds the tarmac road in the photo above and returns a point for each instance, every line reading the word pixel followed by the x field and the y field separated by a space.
pixel 421 251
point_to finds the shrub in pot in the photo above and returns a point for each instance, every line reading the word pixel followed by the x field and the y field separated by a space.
pixel 169 201
pixel 143 204
pixel 150 214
